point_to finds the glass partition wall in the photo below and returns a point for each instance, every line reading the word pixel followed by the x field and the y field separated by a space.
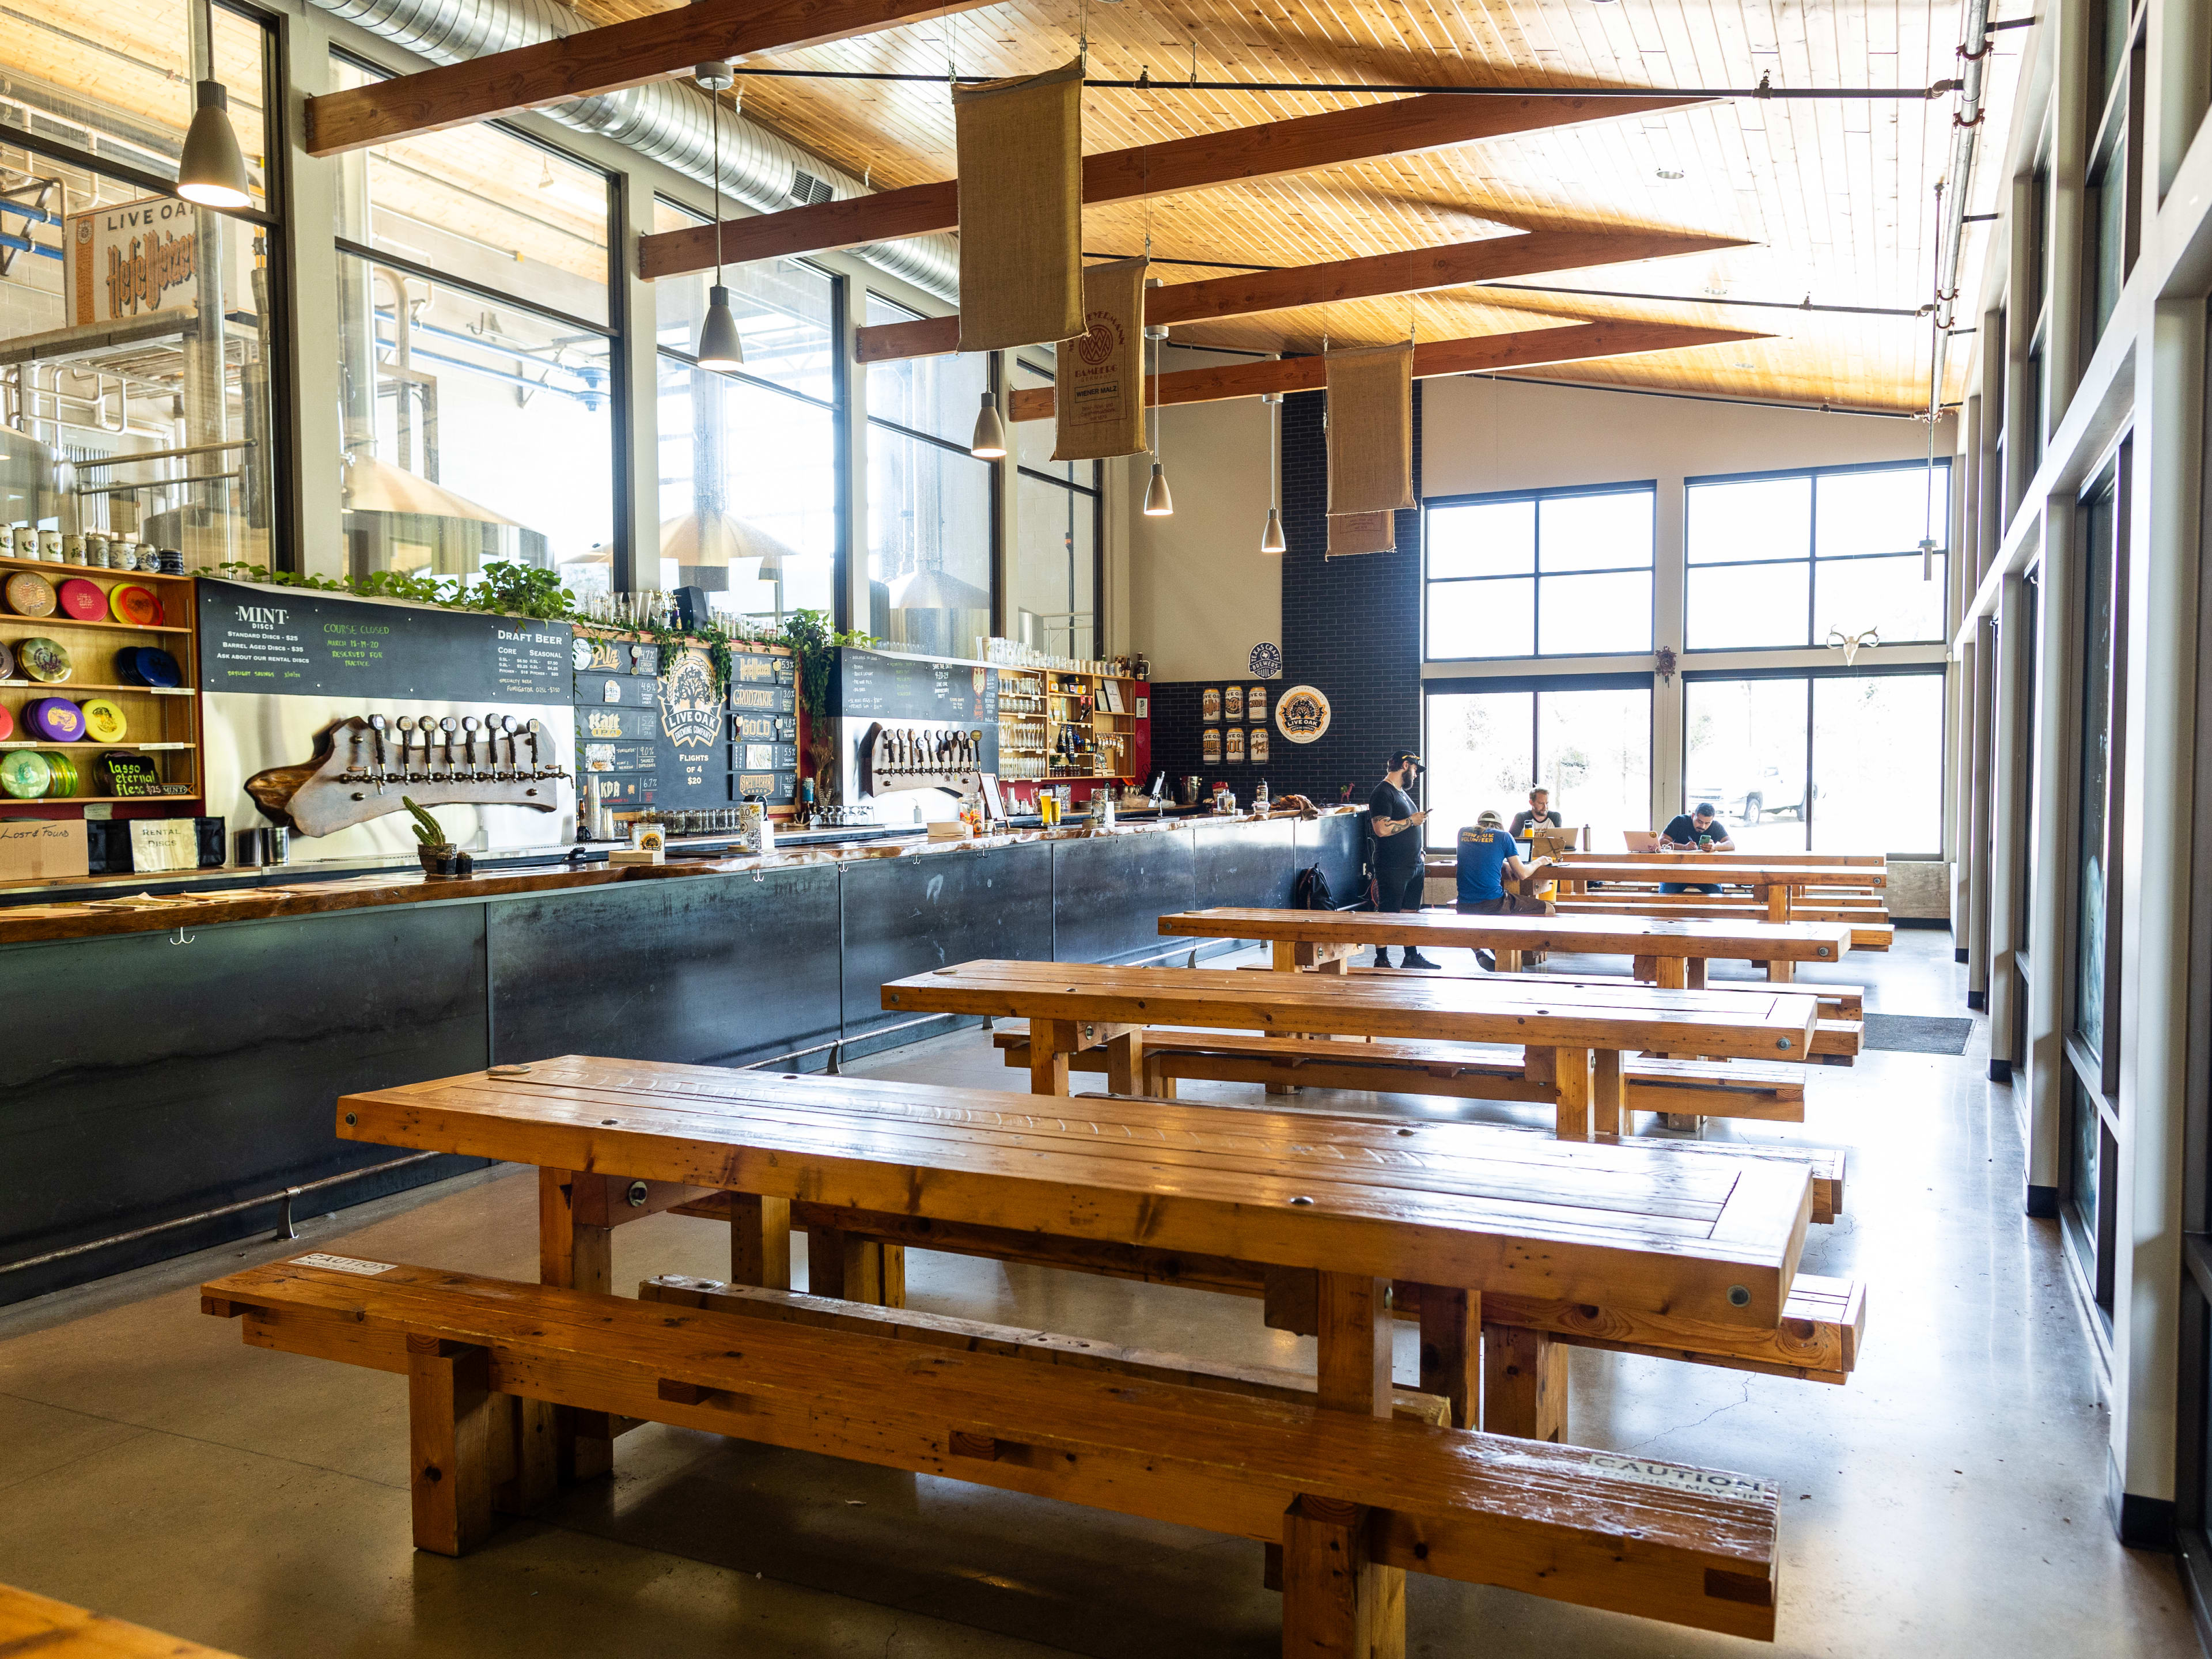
pixel 137 374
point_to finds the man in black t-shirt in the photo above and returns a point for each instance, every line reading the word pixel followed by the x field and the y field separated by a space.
pixel 1398 858
pixel 1694 831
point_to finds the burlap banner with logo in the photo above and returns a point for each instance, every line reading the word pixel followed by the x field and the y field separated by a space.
pixel 1350 533
pixel 1370 429
pixel 1021 210
pixel 1098 377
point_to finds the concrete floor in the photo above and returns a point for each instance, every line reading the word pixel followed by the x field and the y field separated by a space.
pixel 1950 1498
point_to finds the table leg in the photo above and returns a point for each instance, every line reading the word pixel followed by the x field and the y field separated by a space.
pixel 1285 954
pixel 1778 972
pixel 1125 1063
pixel 1451 1350
pixel 1354 1315
pixel 1673 973
pixel 1778 902
pixel 1645 968
pixel 578 1256
pixel 1608 1100
pixel 760 1241
pixel 1524 1383
pixel 1051 1042
pixel 854 1269
pixel 1571 1084
pixel 1509 961
pixel 1693 973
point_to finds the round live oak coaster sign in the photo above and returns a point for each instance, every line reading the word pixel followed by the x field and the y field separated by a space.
pixel 1302 713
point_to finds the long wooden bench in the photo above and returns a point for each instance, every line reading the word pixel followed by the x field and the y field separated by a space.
pixel 1866 934
pixel 40 1627
pixel 1680 1087
pixel 1352 1500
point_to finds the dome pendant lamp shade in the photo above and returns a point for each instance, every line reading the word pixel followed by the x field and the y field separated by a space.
pixel 211 172
pixel 1158 504
pixel 1271 539
pixel 989 443
pixel 719 346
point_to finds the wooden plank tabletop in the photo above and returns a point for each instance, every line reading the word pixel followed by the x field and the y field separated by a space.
pixel 1456 1205
pixel 1673 866
pixel 39 1625
pixel 1746 940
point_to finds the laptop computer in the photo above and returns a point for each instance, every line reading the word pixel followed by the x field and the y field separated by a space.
pixel 1641 841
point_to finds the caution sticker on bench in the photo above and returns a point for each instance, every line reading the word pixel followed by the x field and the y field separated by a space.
pixel 1717 1482
pixel 343 1264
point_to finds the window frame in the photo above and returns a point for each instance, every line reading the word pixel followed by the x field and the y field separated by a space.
pixel 1095 489
pixel 1537 575
pixel 1812 559
pixel 1536 685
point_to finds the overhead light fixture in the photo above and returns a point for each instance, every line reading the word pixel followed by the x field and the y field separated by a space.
pixel 1271 539
pixel 1159 503
pixel 989 443
pixel 718 344
pixel 211 172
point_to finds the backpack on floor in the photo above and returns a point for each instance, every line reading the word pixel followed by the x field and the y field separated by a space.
pixel 1310 891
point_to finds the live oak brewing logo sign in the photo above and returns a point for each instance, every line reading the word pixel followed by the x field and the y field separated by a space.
pixel 1302 713
pixel 140 258
pixel 690 713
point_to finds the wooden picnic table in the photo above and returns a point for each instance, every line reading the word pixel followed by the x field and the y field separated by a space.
pixel 1773 883
pixel 32 1624
pixel 1672 953
pixel 1354 1207
pixel 1572 1036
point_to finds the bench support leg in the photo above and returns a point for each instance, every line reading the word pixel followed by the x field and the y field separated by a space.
pixel 1051 1042
pixel 1354 1315
pixel 1608 1099
pixel 578 1256
pixel 527 1462
pixel 1571 1083
pixel 1645 968
pixel 760 1241
pixel 1284 956
pixel 1673 973
pixel 855 1269
pixel 1157 1082
pixel 1125 1063
pixel 1524 1383
pixel 1780 973
pixel 1778 902
pixel 1693 973
pixel 449 1420
pixel 1451 1350
pixel 1336 1601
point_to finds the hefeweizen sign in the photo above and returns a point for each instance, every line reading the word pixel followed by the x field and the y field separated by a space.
pixel 139 259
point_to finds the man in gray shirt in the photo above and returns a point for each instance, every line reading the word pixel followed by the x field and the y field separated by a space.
pixel 1538 813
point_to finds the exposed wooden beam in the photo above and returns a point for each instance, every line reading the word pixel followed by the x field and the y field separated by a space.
pixel 594 61
pixel 1401 127
pixel 1414 272
pixel 1481 354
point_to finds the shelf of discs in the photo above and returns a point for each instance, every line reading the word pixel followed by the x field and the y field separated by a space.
pixel 98 698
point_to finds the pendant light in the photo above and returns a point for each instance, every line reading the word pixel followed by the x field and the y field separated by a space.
pixel 989 443
pixel 1271 539
pixel 719 346
pixel 211 172
pixel 1159 503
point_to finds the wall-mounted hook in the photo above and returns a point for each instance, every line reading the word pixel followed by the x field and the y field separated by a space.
pixel 183 938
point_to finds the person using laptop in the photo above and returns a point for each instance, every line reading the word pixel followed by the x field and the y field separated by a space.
pixel 1486 863
pixel 1698 831
pixel 1537 814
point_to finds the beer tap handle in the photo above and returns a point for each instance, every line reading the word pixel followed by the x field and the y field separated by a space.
pixel 446 726
pixel 469 748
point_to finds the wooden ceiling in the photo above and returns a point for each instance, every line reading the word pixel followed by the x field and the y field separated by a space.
pixel 1836 196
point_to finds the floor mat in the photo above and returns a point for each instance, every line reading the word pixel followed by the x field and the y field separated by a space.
pixel 1918 1034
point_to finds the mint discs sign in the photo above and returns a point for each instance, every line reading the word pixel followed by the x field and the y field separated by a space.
pixel 289 642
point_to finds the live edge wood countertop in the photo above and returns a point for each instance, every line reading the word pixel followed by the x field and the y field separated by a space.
pixel 133 910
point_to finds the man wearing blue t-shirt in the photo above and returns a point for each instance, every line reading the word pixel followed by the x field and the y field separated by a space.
pixel 1486 862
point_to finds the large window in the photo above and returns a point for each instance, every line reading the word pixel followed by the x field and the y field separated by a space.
pixel 931 524
pixel 1794 560
pixel 749 457
pixel 139 326
pixel 1053 599
pixel 476 383
pixel 1849 762
pixel 1551 573
pixel 1590 744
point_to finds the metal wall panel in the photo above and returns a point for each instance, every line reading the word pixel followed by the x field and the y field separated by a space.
pixel 710 970
pixel 1337 845
pixel 1109 892
pixel 908 915
pixel 1244 864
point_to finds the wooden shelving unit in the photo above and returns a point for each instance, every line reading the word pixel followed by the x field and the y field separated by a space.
pixel 162 724
pixel 1103 736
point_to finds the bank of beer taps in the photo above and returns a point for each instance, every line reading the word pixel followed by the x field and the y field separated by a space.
pixel 444 749
pixel 904 752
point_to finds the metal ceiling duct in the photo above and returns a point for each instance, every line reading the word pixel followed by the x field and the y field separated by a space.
pixel 665 120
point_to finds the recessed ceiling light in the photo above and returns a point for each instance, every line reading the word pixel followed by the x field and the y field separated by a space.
pixel 1668 172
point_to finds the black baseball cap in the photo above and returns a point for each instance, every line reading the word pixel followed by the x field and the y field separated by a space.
pixel 1400 756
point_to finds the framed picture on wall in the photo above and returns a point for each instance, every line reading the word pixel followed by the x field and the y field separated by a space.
pixel 1209 704
pixel 1209 746
pixel 1236 745
pixel 1144 709
pixel 1233 698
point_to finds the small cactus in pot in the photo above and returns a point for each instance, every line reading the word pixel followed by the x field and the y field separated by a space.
pixel 439 856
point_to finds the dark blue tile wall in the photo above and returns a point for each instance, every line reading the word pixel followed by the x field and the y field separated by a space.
pixel 1352 628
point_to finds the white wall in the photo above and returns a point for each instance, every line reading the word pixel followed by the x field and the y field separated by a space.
pixel 1201 595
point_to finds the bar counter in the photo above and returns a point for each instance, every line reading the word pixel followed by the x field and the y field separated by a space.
pixel 176 1045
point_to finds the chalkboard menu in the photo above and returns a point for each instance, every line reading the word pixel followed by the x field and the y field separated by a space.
pixel 874 685
pixel 294 642
pixel 764 727
pixel 665 740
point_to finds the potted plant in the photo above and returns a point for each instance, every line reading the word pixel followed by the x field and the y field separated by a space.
pixel 439 856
